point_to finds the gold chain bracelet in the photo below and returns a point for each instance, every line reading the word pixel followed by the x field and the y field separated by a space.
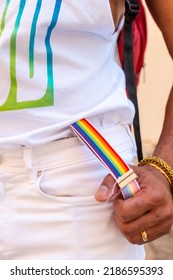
pixel 160 165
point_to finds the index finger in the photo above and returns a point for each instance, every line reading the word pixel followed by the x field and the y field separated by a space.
pixel 133 207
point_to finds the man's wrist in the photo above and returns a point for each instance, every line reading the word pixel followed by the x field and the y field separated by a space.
pixel 163 167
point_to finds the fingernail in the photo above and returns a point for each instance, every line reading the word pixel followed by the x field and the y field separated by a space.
pixel 102 193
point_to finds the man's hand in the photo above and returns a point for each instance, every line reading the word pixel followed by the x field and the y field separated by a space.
pixel 150 210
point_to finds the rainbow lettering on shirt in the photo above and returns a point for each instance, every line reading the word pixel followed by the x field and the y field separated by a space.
pixel 47 99
pixel 2 25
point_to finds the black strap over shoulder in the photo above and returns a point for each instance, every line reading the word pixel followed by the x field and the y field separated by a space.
pixel 132 10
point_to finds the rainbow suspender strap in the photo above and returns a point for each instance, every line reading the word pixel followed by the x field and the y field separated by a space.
pixel 122 173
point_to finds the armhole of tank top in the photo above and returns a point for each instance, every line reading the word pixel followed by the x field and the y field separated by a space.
pixel 120 22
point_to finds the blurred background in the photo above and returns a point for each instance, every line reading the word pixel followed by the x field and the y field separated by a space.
pixel 154 86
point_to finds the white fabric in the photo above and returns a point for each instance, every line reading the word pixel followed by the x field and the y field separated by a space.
pixel 61 73
pixel 57 66
pixel 48 209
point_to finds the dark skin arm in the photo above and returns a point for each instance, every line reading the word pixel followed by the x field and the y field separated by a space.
pixel 162 14
pixel 151 210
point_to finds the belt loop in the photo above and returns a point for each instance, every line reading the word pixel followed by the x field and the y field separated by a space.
pixel 27 157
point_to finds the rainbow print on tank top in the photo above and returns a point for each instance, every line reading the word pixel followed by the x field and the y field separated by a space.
pixel 12 102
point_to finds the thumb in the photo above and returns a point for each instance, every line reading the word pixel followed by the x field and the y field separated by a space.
pixel 105 189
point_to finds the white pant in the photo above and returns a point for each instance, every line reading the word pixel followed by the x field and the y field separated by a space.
pixel 47 204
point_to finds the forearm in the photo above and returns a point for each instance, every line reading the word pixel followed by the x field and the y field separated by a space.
pixel 161 12
pixel 164 148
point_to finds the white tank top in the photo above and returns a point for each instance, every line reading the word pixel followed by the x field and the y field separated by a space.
pixel 56 66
